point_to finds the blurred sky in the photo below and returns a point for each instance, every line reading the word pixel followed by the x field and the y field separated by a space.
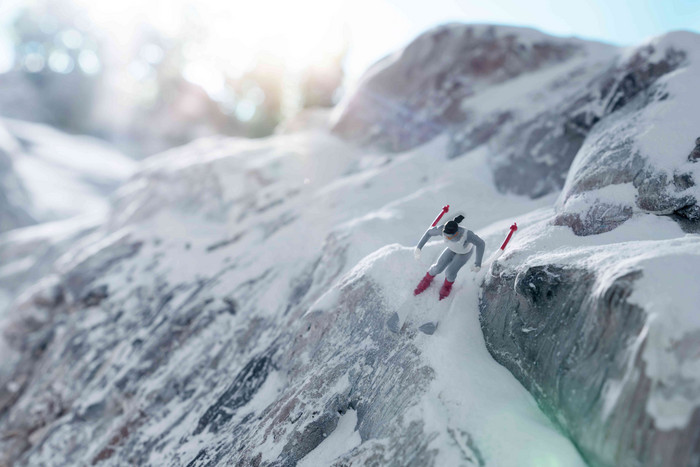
pixel 302 31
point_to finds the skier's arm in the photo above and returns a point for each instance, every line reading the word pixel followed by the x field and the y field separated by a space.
pixel 480 245
pixel 431 232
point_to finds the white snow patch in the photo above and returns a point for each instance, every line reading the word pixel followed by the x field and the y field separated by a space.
pixel 619 194
pixel 668 291
pixel 66 175
pixel 342 440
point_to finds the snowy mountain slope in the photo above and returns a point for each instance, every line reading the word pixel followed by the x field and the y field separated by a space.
pixel 240 332
pixel 54 190
pixel 232 309
pixel 13 196
pixel 420 91
pixel 64 175
pixel 532 98
pixel 29 254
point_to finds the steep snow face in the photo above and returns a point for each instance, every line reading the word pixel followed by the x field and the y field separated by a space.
pixel 233 312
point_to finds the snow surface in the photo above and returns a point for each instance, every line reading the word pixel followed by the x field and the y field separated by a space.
pixel 65 175
pixel 284 227
pixel 477 408
pixel 342 440
pixel 672 300
pixel 668 128
pixel 485 400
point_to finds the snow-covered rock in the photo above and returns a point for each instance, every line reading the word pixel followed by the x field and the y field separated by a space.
pixel 603 330
pixel 525 93
pixel 414 94
pixel 599 329
pixel 232 308
pixel 63 175
pixel 14 200
pixel 54 190
pixel 639 158
pixel 538 102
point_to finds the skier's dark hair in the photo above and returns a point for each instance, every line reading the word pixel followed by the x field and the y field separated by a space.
pixel 450 228
pixel 458 219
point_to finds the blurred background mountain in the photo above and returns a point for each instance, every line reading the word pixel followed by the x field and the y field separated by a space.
pixel 148 75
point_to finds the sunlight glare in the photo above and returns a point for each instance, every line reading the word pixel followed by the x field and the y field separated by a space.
pixel 233 36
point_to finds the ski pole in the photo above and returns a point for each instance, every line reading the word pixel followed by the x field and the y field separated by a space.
pixel 497 254
pixel 513 228
pixel 442 213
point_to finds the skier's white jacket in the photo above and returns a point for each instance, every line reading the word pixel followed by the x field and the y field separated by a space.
pixel 461 243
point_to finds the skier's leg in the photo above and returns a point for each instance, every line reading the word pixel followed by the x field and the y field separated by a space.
pixel 451 273
pixel 456 265
pixel 442 262
pixel 434 270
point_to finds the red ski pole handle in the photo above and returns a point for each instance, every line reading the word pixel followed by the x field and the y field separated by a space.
pixel 513 228
pixel 437 219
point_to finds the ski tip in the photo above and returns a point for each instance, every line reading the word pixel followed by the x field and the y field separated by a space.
pixel 428 328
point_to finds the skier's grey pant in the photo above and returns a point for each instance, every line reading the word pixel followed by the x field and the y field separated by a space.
pixel 450 260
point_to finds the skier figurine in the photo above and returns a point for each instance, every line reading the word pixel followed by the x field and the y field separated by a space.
pixel 459 249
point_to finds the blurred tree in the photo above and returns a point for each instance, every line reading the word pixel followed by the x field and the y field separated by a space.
pixel 148 91
pixel 321 82
pixel 56 64
pixel 260 92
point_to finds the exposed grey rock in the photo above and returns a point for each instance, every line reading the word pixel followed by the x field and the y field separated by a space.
pixel 603 217
pixel 242 390
pixel 314 353
pixel 534 156
pixel 694 155
pixel 567 334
